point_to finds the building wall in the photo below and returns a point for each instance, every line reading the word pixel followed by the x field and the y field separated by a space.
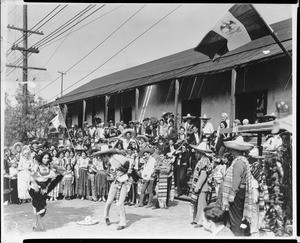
pixel 156 99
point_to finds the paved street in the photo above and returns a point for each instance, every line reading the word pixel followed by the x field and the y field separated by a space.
pixel 62 216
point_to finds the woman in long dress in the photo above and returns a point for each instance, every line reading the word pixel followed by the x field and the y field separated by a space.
pixel 54 193
pixel 24 168
pixel 83 163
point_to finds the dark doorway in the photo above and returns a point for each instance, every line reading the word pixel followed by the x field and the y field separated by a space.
pixel 193 107
pixel 126 114
pixel 251 106
pixel 111 114
pixel 80 114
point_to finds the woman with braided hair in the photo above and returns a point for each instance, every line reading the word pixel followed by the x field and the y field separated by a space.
pixel 42 181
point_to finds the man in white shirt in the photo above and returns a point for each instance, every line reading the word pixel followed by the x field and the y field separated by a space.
pixel 207 127
pixel 147 176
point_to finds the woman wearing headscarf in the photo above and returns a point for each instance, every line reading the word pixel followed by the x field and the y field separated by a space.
pixel 24 169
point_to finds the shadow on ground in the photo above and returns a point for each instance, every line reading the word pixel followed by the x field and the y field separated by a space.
pixel 64 215
pixel 132 218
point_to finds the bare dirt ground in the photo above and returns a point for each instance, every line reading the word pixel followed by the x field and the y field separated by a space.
pixel 61 217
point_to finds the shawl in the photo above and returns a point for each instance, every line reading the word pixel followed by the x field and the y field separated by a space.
pixel 202 164
pixel 228 194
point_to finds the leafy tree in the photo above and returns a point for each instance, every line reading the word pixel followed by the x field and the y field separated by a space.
pixel 20 126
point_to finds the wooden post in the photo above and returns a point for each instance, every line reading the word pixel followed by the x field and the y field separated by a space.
pixel 83 111
pixel 232 97
pixel 259 141
pixel 106 109
pixel 137 93
pixel 176 103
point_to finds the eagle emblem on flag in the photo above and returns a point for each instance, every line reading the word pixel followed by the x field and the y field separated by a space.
pixel 229 28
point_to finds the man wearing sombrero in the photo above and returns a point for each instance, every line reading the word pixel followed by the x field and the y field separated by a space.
pixel 235 194
pixel 187 124
pixel 207 128
pixel 120 185
pixel 126 137
pixel 200 183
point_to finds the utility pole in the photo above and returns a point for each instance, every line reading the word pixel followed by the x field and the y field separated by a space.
pixel 25 51
pixel 62 82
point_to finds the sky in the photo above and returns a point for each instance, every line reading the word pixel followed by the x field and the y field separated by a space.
pixel 182 29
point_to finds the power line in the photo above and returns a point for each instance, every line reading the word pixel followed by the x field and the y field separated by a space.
pixel 120 50
pixel 97 45
pixel 84 25
pixel 72 26
pixel 56 50
pixel 19 40
pixel 82 12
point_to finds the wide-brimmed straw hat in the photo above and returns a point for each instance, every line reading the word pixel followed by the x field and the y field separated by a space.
pixel 17 144
pixel 142 136
pixel 254 153
pixel 93 150
pixel 188 116
pixel 146 149
pixel 88 221
pixel 131 131
pixel 202 147
pixel 204 117
pixel 106 151
pixel 238 144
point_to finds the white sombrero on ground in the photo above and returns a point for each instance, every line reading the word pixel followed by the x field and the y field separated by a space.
pixel 238 144
pixel 88 221
pixel 202 147
pixel 204 117
pixel 188 116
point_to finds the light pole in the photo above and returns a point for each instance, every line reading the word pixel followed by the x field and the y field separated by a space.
pixel 62 82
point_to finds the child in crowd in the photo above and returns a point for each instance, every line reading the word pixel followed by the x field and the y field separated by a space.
pixel 68 181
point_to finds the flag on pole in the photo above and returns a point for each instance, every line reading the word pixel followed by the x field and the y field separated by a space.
pixel 240 25
pixel 57 121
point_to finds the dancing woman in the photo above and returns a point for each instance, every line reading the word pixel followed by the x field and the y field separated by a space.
pixel 42 181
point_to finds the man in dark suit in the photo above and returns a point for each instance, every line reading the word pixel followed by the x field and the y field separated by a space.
pixel 194 138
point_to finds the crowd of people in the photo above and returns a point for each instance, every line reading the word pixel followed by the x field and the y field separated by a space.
pixel 221 174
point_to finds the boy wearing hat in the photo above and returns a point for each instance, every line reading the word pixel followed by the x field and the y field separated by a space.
pixel 236 195
pixel 147 172
pixel 200 183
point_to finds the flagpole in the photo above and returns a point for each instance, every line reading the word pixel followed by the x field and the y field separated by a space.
pixel 272 33
pixel 66 128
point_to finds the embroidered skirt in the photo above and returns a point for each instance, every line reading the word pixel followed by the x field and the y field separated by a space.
pixel 101 184
pixel 82 182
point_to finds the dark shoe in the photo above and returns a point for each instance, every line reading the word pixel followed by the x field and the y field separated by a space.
pixel 107 221
pixel 120 227
pixel 198 226
pixel 193 223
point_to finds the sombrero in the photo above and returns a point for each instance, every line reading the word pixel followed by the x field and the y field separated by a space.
pixel 238 144
pixel 146 149
pixel 204 117
pixel 202 147
pixel 188 116
pixel 80 149
pixel 93 150
pixel 146 119
pixel 88 221
pixel 131 131
pixel 142 136
pixel 106 151
pixel 254 153
pixel 17 144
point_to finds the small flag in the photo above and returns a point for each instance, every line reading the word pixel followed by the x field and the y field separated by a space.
pixel 240 25
pixel 57 121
